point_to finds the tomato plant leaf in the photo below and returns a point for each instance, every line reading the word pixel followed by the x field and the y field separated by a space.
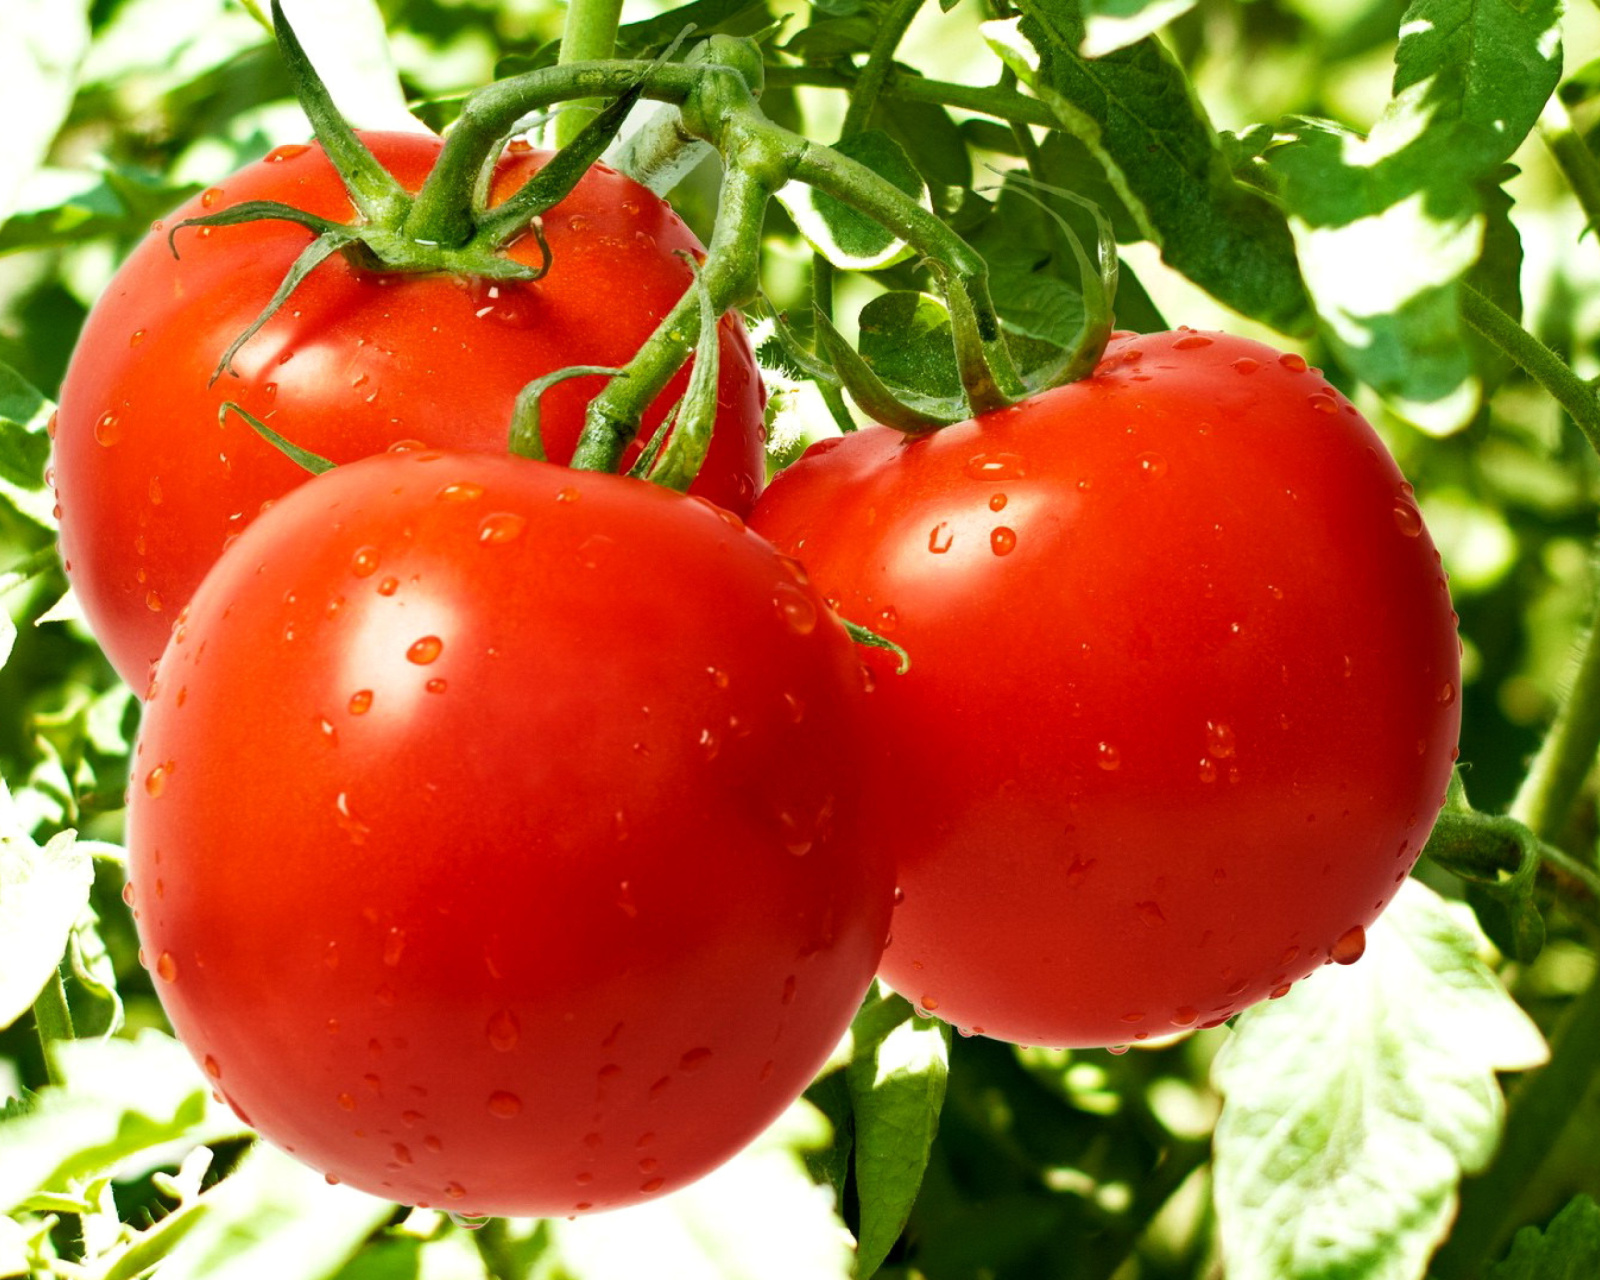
pixel 758 1217
pixel 1470 81
pixel 1568 1249
pixel 25 447
pixel 45 42
pixel 43 891
pixel 274 1217
pixel 905 338
pixel 846 238
pixel 1109 25
pixel 1355 1103
pixel 897 1084
pixel 121 1098
pixel 1137 113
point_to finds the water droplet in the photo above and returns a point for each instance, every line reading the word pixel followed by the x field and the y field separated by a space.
pixel 1107 756
pixel 567 493
pixel 1220 739
pixel 940 538
pixel 348 822
pixel 1407 518
pixel 436 686
pixel 1246 365
pixel 1278 993
pixel 888 620
pixel 796 570
pixel 694 1059
pixel 1208 769
pixel 1446 694
pixel 655 1184
pixel 461 491
pixel 1152 466
pixel 1350 947
pixel 155 782
pixel 455 1190
pixel 997 466
pixel 929 1003
pixel 1151 913
pixel 795 608
pixel 394 946
pixel 347 1102
pixel 388 586
pixel 360 702
pixel 154 491
pixel 595 550
pixel 425 650
pixel 997 502
pixel 503 1104
pixel 1192 342
pixel 660 1087
pixel 577 222
pixel 365 562
pixel 108 431
pixel 504 1031
pixel 167 967
pixel 501 526
pixel 1002 541
pixel 288 152
pixel 789 987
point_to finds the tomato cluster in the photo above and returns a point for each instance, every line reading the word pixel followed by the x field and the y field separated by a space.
pixel 515 839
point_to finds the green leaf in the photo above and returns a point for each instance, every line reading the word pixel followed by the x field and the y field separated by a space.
pixel 1406 205
pixel 273 1218
pixel 706 16
pixel 44 43
pixel 848 239
pixel 1356 1102
pixel 897 1083
pixel 905 338
pixel 930 138
pixel 62 207
pixel 43 891
pixel 1136 112
pixel 122 1098
pixel 758 1217
pixel 1568 1249
pixel 1109 25
pixel 24 436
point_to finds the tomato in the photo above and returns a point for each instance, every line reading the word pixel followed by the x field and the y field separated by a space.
pixel 1182 702
pixel 493 837
pixel 151 485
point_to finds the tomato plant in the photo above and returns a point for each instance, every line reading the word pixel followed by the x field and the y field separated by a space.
pixel 1183 696
pixel 151 484
pixel 491 837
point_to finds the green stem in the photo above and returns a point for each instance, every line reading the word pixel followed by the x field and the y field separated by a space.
pixel 1485 847
pixel 1540 363
pixel 590 35
pixel 493 1243
pixel 1540 1111
pixel 442 211
pixel 52 1018
pixel 730 278
pixel 880 62
pixel 1576 161
pixel 1568 752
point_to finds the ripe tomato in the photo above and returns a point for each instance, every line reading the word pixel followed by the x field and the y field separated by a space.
pixel 1182 702
pixel 151 485
pixel 493 833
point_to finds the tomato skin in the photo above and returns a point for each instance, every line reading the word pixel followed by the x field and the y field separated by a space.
pixel 1183 697
pixel 493 834
pixel 151 486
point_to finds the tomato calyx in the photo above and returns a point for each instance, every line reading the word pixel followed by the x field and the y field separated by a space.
pixel 395 232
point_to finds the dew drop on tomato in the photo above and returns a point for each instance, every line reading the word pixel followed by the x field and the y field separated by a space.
pixel 794 608
pixel 504 1031
pixel 501 526
pixel 504 1105
pixel 425 650
pixel 1350 947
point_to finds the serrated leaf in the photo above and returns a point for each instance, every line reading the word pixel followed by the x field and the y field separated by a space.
pixel 758 1217
pixel 1387 226
pixel 1110 25
pixel 848 239
pixel 24 442
pixel 1568 1249
pixel 1355 1103
pixel 897 1086
pixel 1136 112
pixel 43 891
pixel 122 1099
pixel 44 43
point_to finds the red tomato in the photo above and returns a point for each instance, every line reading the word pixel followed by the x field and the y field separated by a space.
pixel 151 486
pixel 494 833
pixel 1182 702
